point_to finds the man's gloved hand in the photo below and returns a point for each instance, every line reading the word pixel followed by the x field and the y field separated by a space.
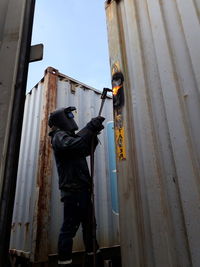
pixel 95 124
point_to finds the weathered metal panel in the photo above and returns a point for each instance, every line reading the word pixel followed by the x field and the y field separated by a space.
pixel 38 210
pixel 25 191
pixel 10 31
pixel 43 186
pixel 16 19
pixel 156 45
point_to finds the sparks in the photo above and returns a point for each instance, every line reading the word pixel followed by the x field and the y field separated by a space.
pixel 116 89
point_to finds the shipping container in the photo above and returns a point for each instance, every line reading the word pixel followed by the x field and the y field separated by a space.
pixel 155 62
pixel 16 19
pixel 9 58
pixel 37 216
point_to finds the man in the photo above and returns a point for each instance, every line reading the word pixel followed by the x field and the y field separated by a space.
pixel 75 183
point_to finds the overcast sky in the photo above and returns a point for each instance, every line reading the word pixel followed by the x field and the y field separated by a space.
pixel 75 41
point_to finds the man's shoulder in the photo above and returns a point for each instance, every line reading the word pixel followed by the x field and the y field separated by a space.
pixel 59 132
pixel 58 136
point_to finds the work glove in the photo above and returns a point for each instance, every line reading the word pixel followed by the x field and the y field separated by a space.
pixel 95 125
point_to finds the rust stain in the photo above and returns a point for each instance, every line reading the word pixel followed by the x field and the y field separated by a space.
pixel 27 227
pixel 13 227
pixel 44 168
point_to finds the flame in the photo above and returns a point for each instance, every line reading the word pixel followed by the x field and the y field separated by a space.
pixel 116 89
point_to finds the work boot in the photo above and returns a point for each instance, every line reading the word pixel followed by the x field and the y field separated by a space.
pixel 67 263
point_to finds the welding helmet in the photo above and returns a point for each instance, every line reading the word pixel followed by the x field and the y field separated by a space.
pixel 63 118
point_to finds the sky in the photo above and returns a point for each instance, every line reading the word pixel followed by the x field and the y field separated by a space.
pixel 75 41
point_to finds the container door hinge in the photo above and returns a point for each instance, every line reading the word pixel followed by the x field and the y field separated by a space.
pixel 36 53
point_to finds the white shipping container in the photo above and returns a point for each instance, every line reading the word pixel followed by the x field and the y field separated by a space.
pixel 156 45
pixel 37 214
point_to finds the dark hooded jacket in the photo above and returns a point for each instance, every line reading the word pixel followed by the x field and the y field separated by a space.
pixel 70 151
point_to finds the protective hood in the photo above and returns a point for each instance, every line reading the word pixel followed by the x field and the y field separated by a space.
pixel 63 118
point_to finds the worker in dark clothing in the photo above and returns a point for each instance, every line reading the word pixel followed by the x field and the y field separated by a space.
pixel 70 151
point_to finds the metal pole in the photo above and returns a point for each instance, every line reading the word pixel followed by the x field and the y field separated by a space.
pixel 103 97
pixel 9 174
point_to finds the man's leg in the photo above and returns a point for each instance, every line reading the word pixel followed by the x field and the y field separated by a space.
pixel 89 232
pixel 68 230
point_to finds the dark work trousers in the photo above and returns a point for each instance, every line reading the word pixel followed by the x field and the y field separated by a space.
pixel 77 210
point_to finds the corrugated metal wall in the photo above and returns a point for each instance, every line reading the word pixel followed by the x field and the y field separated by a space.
pixel 31 236
pixel 16 20
pixel 15 25
pixel 156 45
pixel 27 172
pixel 10 38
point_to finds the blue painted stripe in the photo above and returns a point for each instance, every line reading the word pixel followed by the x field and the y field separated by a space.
pixel 112 167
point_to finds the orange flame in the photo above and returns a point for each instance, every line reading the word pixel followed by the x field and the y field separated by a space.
pixel 116 89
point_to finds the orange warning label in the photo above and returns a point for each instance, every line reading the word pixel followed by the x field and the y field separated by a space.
pixel 120 143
